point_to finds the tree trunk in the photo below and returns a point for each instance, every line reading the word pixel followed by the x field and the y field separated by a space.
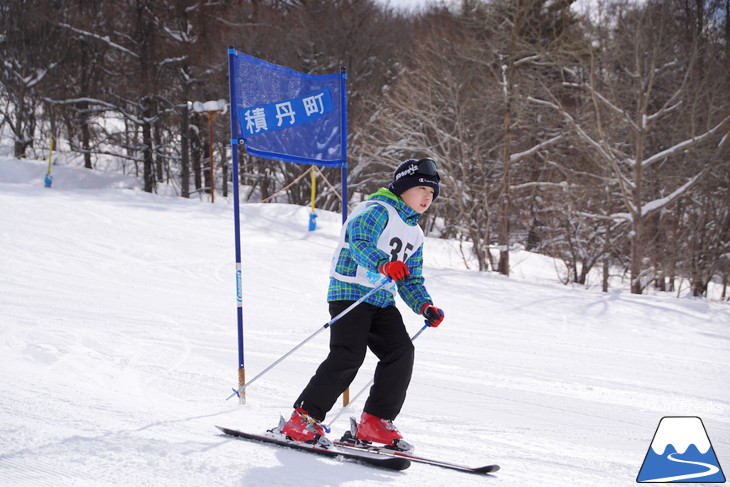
pixel 224 168
pixel 637 221
pixel 159 163
pixel 506 206
pixel 185 153
pixel 196 155
pixel 23 124
pixel 636 248
pixel 148 162
pixel 86 136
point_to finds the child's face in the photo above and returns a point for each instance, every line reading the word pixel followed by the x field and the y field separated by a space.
pixel 419 198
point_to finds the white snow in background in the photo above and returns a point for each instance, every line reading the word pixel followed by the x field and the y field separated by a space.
pixel 118 349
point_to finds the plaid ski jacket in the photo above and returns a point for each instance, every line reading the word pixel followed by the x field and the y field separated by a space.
pixel 363 232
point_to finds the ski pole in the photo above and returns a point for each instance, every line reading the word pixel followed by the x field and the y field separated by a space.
pixel 344 408
pixel 237 392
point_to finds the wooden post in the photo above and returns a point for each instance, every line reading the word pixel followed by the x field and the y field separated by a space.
pixel 211 116
pixel 241 383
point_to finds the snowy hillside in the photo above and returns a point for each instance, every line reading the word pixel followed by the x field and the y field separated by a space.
pixel 118 349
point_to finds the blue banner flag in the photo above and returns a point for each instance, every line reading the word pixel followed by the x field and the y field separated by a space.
pixel 287 115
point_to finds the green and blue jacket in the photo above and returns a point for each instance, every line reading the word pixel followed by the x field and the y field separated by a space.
pixel 362 234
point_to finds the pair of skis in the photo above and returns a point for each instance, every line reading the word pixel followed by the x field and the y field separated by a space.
pixel 364 454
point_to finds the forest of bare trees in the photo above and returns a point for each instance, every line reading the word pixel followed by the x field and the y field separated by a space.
pixel 599 140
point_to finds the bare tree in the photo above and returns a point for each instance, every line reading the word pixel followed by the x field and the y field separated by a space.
pixel 27 66
pixel 439 107
pixel 638 83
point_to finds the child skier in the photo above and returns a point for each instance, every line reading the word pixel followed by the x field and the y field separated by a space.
pixel 381 238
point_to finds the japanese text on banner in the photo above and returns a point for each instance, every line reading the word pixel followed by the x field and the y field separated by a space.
pixel 284 114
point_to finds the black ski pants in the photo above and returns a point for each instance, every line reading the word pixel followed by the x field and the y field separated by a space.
pixel 365 326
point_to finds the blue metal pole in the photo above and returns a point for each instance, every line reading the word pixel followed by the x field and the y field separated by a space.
pixel 343 100
pixel 236 218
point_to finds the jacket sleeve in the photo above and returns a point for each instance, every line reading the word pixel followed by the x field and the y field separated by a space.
pixel 413 291
pixel 363 233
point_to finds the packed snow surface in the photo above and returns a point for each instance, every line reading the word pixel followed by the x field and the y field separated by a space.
pixel 118 349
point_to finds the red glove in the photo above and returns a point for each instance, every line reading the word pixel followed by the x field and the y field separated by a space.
pixel 434 316
pixel 396 270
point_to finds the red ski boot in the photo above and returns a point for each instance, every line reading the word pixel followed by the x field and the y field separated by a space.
pixel 377 430
pixel 303 428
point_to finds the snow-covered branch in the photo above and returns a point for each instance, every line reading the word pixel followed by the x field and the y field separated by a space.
pixel 104 39
pixel 605 101
pixel 542 185
pixel 663 111
pixel 173 60
pixel 526 59
pixel 532 150
pixel 30 80
pixel 682 145
pixel 74 101
pixel 622 113
pixel 621 217
pixel 579 130
pixel 660 203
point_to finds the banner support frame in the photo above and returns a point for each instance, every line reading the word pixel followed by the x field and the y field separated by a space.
pixel 235 144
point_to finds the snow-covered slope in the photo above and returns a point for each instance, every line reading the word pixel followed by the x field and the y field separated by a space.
pixel 118 349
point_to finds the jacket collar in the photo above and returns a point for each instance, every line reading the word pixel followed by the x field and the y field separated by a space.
pixel 408 214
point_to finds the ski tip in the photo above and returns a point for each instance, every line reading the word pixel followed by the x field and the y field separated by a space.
pixel 228 431
pixel 487 469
